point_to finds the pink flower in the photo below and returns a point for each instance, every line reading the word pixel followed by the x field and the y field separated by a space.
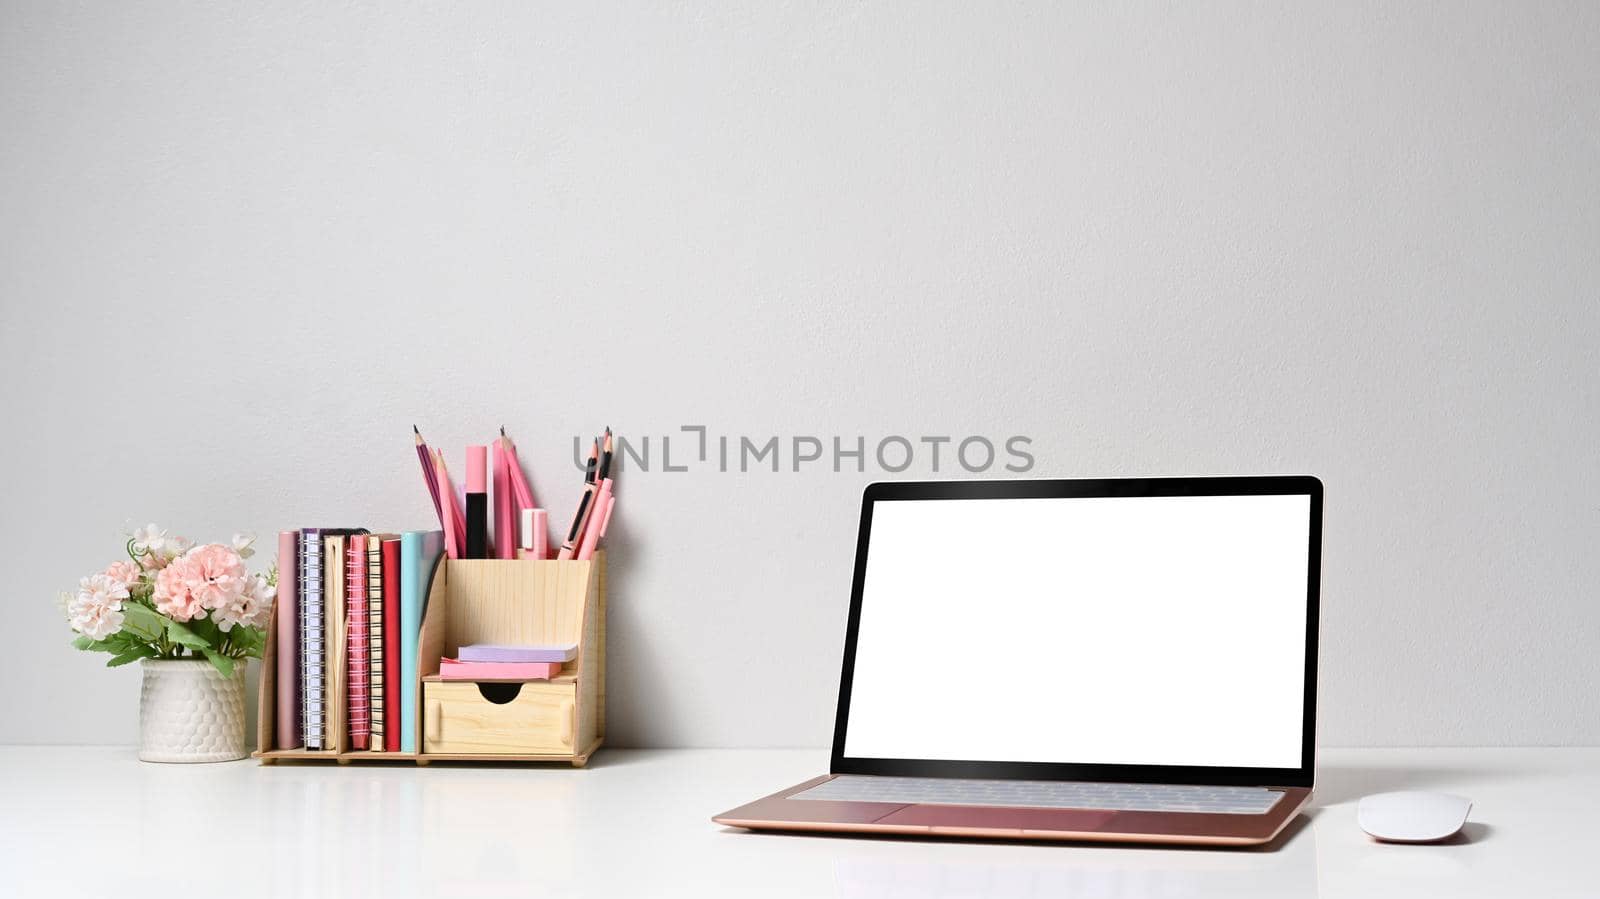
pixel 206 577
pixel 174 596
pixel 215 573
pixel 124 572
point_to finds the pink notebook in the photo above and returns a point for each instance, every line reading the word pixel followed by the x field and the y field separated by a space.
pixel 287 733
pixel 450 669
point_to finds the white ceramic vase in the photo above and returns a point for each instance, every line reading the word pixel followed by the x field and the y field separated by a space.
pixel 189 712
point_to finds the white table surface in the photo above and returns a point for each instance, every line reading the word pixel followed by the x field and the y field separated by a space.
pixel 94 821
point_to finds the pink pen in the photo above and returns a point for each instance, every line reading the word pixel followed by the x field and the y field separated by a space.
pixel 586 504
pixel 605 520
pixel 591 532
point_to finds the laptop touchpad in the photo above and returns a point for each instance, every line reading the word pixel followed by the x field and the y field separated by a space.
pixel 1076 820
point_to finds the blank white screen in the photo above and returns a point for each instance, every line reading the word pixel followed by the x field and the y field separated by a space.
pixel 1144 631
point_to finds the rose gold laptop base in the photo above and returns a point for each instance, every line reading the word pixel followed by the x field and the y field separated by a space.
pixel 778 812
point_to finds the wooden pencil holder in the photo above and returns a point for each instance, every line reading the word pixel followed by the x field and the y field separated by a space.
pixel 484 601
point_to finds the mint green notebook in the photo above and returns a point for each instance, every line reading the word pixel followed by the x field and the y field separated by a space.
pixel 419 559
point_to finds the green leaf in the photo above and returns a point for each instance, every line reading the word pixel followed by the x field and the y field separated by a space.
pixel 207 630
pixel 248 640
pixel 183 636
pixel 138 652
pixel 144 622
pixel 113 644
pixel 222 662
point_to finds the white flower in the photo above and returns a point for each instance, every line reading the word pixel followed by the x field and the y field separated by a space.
pixel 262 595
pixel 96 612
pixel 151 538
pixel 155 547
pixel 243 545
pixel 251 606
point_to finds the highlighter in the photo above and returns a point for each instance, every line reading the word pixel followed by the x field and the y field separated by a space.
pixel 477 502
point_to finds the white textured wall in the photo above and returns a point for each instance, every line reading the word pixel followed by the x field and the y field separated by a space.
pixel 242 251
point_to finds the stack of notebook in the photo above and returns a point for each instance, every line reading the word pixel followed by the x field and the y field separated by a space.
pixel 495 662
pixel 355 609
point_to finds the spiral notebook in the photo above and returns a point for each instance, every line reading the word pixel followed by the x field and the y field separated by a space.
pixel 322 627
pixel 375 648
pixel 358 670
pixel 312 693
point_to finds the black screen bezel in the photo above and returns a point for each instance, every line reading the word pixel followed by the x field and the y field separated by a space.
pixel 1291 485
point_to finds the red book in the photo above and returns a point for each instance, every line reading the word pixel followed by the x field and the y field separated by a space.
pixel 450 669
pixel 391 645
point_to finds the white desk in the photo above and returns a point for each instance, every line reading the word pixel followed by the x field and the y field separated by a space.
pixel 94 821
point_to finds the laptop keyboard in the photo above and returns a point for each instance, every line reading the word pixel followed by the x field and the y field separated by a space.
pixel 1045 794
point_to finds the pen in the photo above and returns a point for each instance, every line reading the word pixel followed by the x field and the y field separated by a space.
pixel 605 457
pixel 585 505
pixel 593 531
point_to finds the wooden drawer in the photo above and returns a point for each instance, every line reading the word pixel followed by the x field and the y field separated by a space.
pixel 464 717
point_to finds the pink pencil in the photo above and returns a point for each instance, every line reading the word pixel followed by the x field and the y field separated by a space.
pixel 454 506
pixel 505 517
pixel 519 481
pixel 428 474
pixel 454 522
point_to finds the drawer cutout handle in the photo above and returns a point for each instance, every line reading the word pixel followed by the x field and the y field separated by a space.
pixel 499 694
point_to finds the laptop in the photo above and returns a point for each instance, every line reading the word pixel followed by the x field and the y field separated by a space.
pixel 1128 659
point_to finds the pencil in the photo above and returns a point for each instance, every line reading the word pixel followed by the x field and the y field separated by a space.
pixel 430 476
pixel 519 481
pixel 454 521
pixel 505 513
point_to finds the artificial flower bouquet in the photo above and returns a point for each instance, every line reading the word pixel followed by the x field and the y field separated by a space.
pixel 171 599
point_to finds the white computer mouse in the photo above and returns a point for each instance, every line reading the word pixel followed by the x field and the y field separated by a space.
pixel 1412 816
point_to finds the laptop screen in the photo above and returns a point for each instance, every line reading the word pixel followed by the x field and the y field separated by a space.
pixel 1090 630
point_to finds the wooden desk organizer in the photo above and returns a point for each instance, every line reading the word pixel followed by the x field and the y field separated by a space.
pixel 483 601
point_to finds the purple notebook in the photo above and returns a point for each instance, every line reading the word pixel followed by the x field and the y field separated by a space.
pixel 496 652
